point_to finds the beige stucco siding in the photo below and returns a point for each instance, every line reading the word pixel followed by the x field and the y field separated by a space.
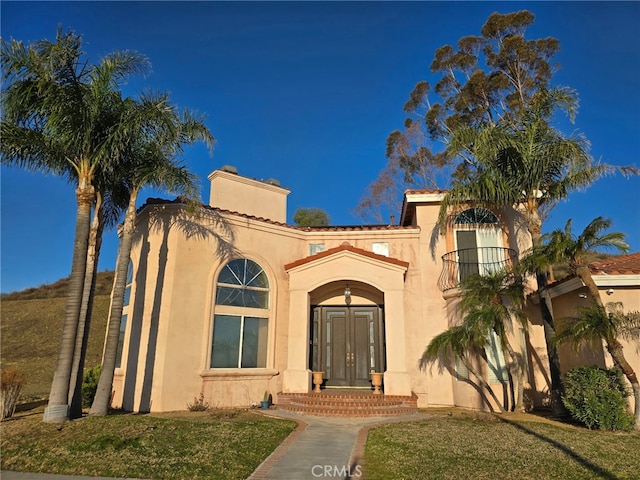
pixel 177 260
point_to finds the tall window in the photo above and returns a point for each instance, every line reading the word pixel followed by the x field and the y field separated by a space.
pixel 240 322
pixel 125 314
pixel 495 359
pixel 477 234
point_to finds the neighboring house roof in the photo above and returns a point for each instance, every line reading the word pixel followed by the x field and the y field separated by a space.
pixel 329 228
pixel 620 265
pixel 622 270
pixel 346 247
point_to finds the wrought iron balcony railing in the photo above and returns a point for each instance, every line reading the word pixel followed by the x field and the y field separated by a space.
pixel 461 264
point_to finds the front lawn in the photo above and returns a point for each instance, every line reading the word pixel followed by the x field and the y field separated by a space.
pixel 223 445
pixel 482 446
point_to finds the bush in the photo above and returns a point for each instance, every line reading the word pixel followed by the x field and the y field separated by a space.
pixel 90 385
pixel 597 397
pixel 198 405
pixel 11 382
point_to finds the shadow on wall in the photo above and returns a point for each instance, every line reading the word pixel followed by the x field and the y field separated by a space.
pixel 200 224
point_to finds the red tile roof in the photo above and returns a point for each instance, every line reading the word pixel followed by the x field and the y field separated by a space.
pixel 330 228
pixel 621 265
pixel 427 191
pixel 346 247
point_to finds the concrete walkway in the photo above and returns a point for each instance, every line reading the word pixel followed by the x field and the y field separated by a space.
pixel 323 447
pixel 319 448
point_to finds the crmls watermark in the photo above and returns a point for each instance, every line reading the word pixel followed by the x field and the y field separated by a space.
pixel 339 471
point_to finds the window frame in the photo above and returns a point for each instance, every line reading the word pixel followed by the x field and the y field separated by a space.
pixel 242 312
pixel 124 319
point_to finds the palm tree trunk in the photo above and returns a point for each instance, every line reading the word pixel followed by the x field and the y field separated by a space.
pixel 82 337
pixel 534 226
pixel 585 275
pixel 58 409
pixel 102 399
pixel 615 349
pixel 516 370
pixel 483 383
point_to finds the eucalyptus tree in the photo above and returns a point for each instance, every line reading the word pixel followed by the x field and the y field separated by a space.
pixel 596 324
pixel 63 115
pixel 151 160
pixel 484 79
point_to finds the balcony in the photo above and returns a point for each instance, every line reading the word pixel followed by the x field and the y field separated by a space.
pixel 461 264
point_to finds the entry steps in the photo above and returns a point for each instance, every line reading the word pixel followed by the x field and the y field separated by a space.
pixel 347 403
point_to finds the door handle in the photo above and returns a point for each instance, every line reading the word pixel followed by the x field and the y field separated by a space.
pixel 350 360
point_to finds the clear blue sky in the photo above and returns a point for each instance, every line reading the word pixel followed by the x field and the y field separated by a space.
pixel 308 92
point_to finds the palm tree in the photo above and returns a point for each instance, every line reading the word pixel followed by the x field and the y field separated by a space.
pixel 530 166
pixel 150 161
pixel 63 115
pixel 593 322
pixel 562 245
pixel 110 202
pixel 609 324
pixel 462 342
pixel 494 301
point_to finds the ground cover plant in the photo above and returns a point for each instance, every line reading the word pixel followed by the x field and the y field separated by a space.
pixel 484 446
pixel 209 445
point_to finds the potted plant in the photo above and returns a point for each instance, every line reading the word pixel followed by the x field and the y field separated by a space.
pixel 265 400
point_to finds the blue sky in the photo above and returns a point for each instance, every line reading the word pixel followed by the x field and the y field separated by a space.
pixel 308 92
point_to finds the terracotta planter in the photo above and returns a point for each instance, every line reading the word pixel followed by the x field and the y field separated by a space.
pixel 317 381
pixel 376 381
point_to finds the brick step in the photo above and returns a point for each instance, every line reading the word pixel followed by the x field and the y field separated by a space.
pixel 348 412
pixel 347 403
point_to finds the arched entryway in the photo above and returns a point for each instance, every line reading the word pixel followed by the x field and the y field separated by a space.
pixel 347 333
pixel 319 281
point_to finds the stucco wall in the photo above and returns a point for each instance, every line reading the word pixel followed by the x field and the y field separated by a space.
pixel 177 261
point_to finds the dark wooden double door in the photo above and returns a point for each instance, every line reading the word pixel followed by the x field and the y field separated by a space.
pixel 347 343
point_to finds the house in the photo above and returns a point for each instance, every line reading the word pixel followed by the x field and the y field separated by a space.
pixel 235 302
pixel 618 281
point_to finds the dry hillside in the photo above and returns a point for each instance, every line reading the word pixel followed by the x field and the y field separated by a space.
pixel 31 327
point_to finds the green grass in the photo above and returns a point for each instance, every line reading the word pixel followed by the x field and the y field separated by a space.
pixel 479 446
pixel 220 445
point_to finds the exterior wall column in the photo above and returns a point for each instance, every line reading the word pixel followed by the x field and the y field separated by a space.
pixel 396 377
pixel 297 377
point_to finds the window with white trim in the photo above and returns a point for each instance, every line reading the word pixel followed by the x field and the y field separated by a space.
pixel 316 248
pixel 241 318
pixel 495 359
pixel 381 248
pixel 462 373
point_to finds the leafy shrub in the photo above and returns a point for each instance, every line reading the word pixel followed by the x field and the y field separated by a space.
pixel 90 384
pixel 597 397
pixel 198 405
pixel 11 382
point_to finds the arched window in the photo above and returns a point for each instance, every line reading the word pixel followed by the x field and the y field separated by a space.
pixel 240 321
pixel 476 216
